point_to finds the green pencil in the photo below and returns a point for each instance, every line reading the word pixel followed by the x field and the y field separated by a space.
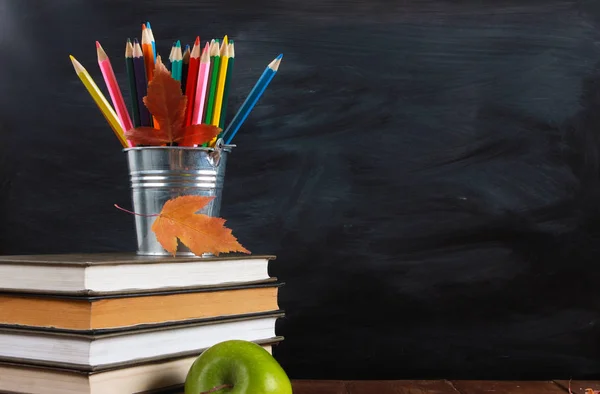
pixel 227 86
pixel 177 62
pixel 215 61
pixel 135 110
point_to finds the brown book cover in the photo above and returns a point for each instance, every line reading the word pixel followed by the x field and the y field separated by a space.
pixel 127 311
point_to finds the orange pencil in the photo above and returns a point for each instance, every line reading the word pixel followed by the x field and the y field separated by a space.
pixel 148 53
pixel 148 60
pixel 192 78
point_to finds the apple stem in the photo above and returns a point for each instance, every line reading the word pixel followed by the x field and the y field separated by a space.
pixel 135 213
pixel 218 388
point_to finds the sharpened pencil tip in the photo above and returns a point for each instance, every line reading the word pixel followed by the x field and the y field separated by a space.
pixel 197 42
pixel 135 41
pixel 274 65
pixel 128 40
pixel 148 25
pixel 100 51
pixel 143 26
pixel 178 44
pixel 78 67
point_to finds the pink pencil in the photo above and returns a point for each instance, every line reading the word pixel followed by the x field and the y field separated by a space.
pixel 201 86
pixel 113 89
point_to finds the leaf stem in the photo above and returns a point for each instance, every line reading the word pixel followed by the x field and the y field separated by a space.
pixel 217 388
pixel 135 213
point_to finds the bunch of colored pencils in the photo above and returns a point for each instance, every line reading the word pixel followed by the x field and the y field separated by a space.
pixel 205 75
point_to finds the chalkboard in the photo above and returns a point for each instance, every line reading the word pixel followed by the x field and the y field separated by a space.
pixel 427 172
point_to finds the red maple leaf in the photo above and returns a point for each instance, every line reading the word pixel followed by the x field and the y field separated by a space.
pixel 167 104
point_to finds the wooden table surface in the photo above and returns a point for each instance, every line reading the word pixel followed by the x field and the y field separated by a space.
pixel 442 387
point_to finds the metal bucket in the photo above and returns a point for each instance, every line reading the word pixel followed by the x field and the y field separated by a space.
pixel 160 173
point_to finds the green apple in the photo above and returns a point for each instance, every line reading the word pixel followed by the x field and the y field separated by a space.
pixel 237 367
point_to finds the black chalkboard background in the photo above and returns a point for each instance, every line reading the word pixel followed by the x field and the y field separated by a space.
pixel 425 171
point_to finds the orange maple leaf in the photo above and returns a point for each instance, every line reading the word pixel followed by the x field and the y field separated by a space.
pixel 200 233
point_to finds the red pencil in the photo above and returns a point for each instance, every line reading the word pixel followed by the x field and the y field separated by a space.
pixel 192 77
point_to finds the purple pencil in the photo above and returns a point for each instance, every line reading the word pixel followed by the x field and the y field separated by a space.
pixel 140 83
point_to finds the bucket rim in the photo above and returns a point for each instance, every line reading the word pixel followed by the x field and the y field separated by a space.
pixel 226 148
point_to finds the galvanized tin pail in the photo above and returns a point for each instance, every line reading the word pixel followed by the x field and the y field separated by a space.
pixel 160 173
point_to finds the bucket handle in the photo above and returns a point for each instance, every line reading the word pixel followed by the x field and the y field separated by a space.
pixel 214 157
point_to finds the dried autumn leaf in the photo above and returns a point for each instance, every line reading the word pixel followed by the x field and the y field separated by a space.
pixel 198 134
pixel 193 135
pixel 200 233
pixel 146 136
pixel 167 104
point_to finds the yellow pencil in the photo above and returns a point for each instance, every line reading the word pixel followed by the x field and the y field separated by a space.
pixel 221 82
pixel 108 112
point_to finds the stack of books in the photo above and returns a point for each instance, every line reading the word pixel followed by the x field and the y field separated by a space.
pixel 123 323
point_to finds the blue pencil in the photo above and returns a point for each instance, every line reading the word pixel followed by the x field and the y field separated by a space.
pixel 141 83
pixel 255 94
pixel 152 40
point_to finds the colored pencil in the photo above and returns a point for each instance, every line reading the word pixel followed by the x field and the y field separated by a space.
pixel 148 55
pixel 113 88
pixel 141 83
pixel 230 64
pixel 214 66
pixel 177 60
pixel 169 65
pixel 152 41
pixel 135 111
pixel 185 64
pixel 202 82
pixel 224 56
pixel 172 51
pixel 172 61
pixel 207 87
pixel 192 81
pixel 252 99
pixel 101 102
